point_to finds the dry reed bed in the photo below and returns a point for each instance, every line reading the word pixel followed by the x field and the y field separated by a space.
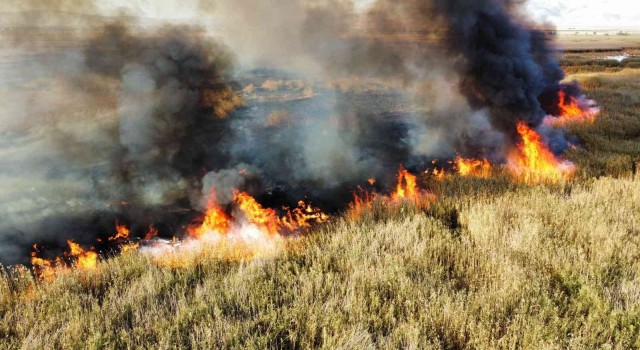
pixel 541 268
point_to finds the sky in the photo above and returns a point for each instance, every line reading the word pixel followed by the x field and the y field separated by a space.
pixel 587 13
pixel 562 13
pixel 581 14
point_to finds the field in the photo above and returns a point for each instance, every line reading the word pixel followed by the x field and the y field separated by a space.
pixel 588 40
pixel 489 265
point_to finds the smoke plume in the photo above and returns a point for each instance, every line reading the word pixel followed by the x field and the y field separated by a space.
pixel 144 122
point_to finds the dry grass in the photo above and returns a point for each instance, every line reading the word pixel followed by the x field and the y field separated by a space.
pixel 603 40
pixel 490 265
pixel 538 268
pixel 610 146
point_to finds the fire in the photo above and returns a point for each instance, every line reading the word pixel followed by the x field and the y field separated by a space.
pixel 572 111
pixel 151 233
pixel 407 187
pixel 439 174
pixel 303 216
pixel 532 161
pixel 265 219
pixel 361 203
pixel 122 233
pixel 215 220
pixel 47 270
pixel 474 167
pixel 129 247
pixel 85 259
pixel 568 110
pixel 43 268
pixel 242 230
pixel 406 190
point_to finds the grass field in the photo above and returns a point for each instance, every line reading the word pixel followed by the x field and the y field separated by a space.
pixel 489 265
pixel 588 40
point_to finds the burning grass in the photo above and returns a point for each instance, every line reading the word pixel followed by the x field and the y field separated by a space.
pixel 532 161
pixel 521 269
pixel 546 262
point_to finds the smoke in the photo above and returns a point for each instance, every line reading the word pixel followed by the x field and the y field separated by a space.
pixel 138 155
pixel 120 120
pixel 506 67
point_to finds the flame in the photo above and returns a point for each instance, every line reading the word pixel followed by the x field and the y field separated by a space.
pixel 122 233
pixel 568 110
pixel 474 167
pixel 572 111
pixel 265 219
pixel 532 161
pixel 362 202
pixel 245 230
pixel 152 232
pixel 215 220
pixel 85 259
pixel 407 187
pixel 129 247
pixel 406 190
pixel 47 270
pixel 43 268
pixel 302 216
pixel 439 174
pixel 372 181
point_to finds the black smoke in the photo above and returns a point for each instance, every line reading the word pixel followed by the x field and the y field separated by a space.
pixel 506 66
pixel 164 114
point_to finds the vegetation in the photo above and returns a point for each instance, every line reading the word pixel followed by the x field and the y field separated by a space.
pixel 489 265
pixel 611 145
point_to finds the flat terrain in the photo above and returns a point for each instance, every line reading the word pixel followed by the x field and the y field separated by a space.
pixel 584 39
pixel 490 264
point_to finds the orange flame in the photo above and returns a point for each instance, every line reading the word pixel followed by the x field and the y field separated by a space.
pixel 303 216
pixel 85 259
pixel 439 174
pixel 265 219
pixel 406 191
pixel 215 220
pixel 129 247
pixel 474 167
pixel 407 187
pixel 532 161
pixel 122 233
pixel 249 231
pixel 46 270
pixel 571 111
pixel 43 268
pixel 151 233
pixel 361 203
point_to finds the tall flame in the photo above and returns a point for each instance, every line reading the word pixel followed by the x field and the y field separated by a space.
pixel 407 187
pixel 532 161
